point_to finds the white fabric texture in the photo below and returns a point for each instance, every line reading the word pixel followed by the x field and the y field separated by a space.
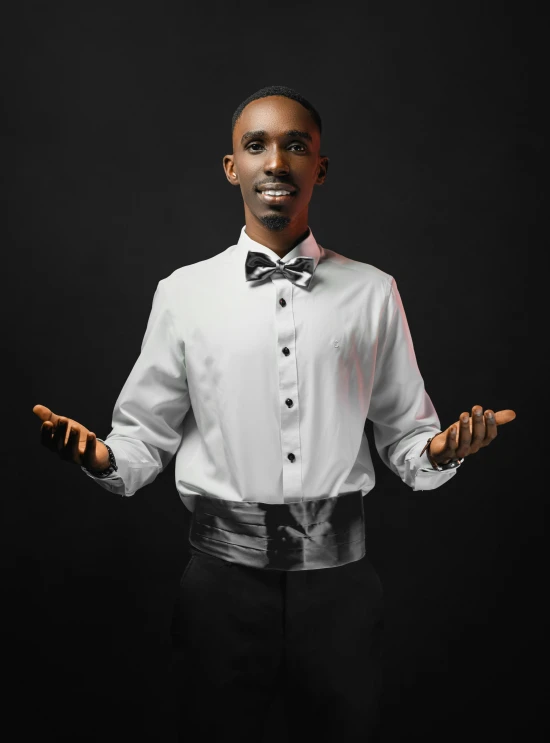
pixel 221 357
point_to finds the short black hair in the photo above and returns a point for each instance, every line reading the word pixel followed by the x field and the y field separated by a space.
pixel 278 90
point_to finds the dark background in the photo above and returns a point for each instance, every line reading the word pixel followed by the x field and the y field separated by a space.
pixel 116 119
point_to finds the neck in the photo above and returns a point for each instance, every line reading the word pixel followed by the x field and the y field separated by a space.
pixel 279 241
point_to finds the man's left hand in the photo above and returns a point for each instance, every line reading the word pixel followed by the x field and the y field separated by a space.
pixel 468 435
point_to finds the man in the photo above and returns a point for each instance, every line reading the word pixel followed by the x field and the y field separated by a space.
pixel 258 369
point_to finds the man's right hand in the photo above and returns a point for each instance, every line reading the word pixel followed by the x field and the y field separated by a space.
pixel 71 440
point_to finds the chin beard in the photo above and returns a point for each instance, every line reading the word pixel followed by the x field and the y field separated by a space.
pixel 275 221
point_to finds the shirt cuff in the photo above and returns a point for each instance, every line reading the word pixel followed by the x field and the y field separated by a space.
pixel 425 477
pixel 113 482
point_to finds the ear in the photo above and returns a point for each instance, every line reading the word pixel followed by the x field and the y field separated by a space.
pixel 230 172
pixel 322 172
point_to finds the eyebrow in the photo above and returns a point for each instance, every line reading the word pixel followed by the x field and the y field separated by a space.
pixel 259 133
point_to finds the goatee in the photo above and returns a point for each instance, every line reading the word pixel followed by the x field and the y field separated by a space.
pixel 275 221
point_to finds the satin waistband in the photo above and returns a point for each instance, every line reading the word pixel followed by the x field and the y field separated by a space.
pixel 309 535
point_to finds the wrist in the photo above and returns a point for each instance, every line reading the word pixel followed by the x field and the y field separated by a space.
pixel 102 456
pixel 110 465
pixel 436 458
pixel 438 462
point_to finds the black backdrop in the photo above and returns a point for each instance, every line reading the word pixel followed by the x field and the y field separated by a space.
pixel 116 121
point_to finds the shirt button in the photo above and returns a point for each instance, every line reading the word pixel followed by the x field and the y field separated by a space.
pixel 286 351
pixel 289 402
pixel 282 302
pixel 291 457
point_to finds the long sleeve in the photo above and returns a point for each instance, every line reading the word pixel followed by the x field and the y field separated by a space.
pixel 260 390
pixel 401 411
pixel 149 412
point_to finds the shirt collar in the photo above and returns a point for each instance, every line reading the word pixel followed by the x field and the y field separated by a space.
pixel 307 247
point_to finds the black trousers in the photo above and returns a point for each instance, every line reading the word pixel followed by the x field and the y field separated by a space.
pixel 240 635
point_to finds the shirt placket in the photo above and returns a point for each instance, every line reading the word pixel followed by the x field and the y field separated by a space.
pixel 288 390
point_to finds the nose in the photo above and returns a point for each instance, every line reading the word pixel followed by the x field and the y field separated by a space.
pixel 276 162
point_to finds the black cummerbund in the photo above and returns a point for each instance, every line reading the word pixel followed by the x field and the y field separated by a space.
pixel 309 535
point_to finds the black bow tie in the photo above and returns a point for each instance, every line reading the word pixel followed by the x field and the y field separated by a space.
pixel 299 270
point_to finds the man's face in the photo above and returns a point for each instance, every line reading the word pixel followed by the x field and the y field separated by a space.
pixel 276 149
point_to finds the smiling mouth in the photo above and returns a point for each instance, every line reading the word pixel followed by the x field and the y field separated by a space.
pixel 275 196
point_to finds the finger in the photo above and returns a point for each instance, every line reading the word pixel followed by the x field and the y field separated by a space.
pixel 71 449
pixel 46 436
pixel 60 434
pixel 88 457
pixel 443 446
pixel 464 436
pixel 478 429
pixel 451 442
pixel 491 431
pixel 504 416
pixel 83 438
pixel 45 414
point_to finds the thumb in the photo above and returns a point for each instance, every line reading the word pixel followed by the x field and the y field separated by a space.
pixel 45 414
pixel 504 416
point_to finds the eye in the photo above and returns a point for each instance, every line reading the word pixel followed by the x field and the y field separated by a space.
pixel 298 144
pixel 251 147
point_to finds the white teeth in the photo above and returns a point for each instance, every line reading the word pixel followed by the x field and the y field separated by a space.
pixel 277 193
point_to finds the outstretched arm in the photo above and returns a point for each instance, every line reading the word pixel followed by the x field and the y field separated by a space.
pixel 404 417
pixel 147 417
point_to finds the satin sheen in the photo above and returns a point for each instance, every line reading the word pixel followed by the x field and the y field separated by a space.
pixel 299 270
pixel 314 534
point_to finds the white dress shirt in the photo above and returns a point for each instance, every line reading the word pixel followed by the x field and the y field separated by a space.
pixel 266 400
